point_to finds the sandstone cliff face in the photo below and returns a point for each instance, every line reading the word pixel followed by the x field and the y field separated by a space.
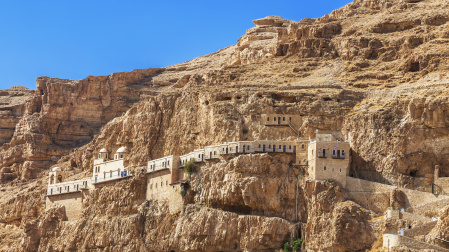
pixel 375 69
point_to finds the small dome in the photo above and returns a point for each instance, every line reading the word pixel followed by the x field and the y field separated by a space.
pixel 56 169
pixel 103 150
pixel 122 149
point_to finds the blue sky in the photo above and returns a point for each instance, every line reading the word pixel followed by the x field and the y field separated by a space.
pixel 75 39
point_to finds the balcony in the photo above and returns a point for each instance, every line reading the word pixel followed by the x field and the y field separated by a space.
pixel 336 156
pixel 322 155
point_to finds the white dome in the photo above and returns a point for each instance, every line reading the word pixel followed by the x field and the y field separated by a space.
pixel 56 169
pixel 122 149
pixel 103 150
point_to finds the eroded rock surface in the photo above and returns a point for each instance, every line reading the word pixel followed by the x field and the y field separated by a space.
pixel 376 70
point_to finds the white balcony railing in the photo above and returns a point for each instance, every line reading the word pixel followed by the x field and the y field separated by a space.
pixel 67 187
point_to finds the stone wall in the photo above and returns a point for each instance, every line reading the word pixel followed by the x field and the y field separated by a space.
pixel 365 192
pixel 161 189
pixel 73 203
pixel 391 241
pixel 443 183
pixel 420 230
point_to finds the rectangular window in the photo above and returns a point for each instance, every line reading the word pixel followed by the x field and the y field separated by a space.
pixel 283 119
pixel 324 167
pixel 302 146
pixel 289 147
pixel 268 119
pixel 290 119
pixel 269 146
pixel 275 118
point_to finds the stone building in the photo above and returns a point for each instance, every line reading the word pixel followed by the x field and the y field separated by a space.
pixel 71 194
pixel 328 158
pixel 164 180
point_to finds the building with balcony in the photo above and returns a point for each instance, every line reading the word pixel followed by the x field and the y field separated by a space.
pixel 328 158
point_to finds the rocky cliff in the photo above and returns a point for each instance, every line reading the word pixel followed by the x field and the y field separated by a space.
pixel 375 70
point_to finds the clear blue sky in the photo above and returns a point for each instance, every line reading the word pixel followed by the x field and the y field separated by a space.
pixel 78 38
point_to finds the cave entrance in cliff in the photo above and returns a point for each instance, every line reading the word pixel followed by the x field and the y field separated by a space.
pixel 414 67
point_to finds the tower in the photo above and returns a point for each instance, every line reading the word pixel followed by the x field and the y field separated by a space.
pixel 103 154
pixel 56 176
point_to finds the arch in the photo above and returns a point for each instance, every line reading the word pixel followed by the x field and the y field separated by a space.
pixel 60 178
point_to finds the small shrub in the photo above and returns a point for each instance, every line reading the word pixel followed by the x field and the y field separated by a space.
pixel 189 166
pixel 293 245
pixel 183 192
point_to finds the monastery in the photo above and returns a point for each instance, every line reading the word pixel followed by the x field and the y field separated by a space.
pixel 326 158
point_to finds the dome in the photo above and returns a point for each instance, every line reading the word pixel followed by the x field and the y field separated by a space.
pixel 56 169
pixel 103 150
pixel 122 149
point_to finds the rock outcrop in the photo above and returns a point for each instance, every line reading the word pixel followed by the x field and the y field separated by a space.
pixel 374 69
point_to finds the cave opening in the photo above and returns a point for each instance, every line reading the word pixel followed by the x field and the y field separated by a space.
pixel 414 67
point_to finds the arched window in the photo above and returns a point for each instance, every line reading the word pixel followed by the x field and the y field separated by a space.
pixel 52 179
pixel 59 178
pixel 324 167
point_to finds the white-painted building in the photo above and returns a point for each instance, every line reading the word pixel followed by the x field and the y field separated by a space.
pixel 105 169
pixel 163 163
pixel 212 152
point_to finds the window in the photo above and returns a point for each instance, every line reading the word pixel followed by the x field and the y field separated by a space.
pixel 290 118
pixel 161 183
pixel 275 118
pixel 269 146
pixel 168 162
pixel 199 156
pixel 342 152
pixel 268 119
pixel 280 147
pixel 259 146
pixel 99 155
pixel 324 167
pixel 283 119
pixel 340 169
pixel 155 185
pixel 289 147
pixel 121 156
pixel 215 152
pixel 302 146
pixel 166 182
pixel 110 174
pixel 333 152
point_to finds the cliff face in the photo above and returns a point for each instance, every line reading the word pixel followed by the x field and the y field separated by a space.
pixel 376 70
